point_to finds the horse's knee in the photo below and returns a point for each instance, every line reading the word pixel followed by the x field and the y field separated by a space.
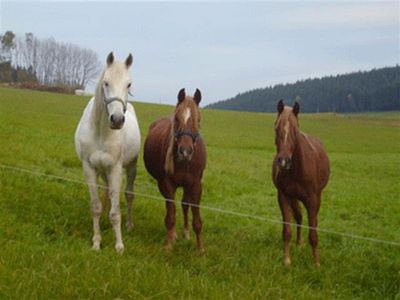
pixel 286 233
pixel 115 217
pixel 129 196
pixel 96 208
pixel 197 225
pixel 313 238
pixel 169 222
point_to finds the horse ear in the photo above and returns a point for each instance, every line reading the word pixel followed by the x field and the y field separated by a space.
pixel 296 108
pixel 181 95
pixel 129 60
pixel 110 58
pixel 197 96
pixel 280 107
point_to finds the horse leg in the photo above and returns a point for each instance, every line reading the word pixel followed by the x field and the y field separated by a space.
pixel 168 190
pixel 95 204
pixel 312 212
pixel 286 232
pixel 106 194
pixel 115 180
pixel 185 208
pixel 294 204
pixel 129 195
pixel 195 196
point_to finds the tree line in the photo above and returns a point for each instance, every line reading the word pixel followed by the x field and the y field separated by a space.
pixel 374 90
pixel 46 62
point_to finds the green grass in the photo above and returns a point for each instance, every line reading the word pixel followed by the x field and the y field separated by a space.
pixel 46 228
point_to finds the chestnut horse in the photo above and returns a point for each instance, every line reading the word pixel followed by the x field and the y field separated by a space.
pixel 175 155
pixel 300 171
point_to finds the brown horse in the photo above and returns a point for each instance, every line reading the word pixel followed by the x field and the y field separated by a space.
pixel 300 171
pixel 175 155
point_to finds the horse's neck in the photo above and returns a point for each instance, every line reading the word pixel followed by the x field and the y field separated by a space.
pixel 300 150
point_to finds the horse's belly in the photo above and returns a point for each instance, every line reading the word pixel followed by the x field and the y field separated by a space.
pixel 155 147
pixel 290 186
pixel 153 158
pixel 131 140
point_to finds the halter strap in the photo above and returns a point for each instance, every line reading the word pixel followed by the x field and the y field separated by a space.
pixel 107 100
pixel 180 133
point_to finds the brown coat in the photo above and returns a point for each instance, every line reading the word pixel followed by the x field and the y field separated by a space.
pixel 300 171
pixel 175 155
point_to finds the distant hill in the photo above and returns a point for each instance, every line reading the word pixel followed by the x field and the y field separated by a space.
pixel 375 90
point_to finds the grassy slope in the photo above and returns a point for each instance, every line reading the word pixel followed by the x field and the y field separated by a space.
pixel 46 226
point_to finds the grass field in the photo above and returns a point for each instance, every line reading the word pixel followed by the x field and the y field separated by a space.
pixel 45 235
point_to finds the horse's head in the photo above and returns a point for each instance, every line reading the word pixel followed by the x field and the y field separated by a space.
pixel 286 129
pixel 186 124
pixel 115 85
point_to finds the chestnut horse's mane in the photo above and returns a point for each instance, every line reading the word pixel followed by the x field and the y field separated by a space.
pixel 169 159
pixel 169 166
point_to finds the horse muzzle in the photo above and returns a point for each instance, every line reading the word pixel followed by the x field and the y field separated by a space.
pixel 117 121
pixel 185 153
pixel 284 163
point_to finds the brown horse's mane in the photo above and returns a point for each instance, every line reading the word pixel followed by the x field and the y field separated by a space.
pixel 287 118
pixel 169 159
pixel 193 122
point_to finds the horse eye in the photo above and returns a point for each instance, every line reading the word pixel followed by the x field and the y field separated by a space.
pixel 105 83
pixel 129 85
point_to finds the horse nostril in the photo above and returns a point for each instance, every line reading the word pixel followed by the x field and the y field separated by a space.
pixel 118 120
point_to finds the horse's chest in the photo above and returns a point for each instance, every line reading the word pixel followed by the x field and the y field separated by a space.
pixel 182 177
pixel 103 154
pixel 187 174
pixel 291 186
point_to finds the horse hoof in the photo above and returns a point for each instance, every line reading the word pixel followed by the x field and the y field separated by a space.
pixel 287 262
pixel 129 226
pixel 316 264
pixel 96 246
pixel 119 247
pixel 168 247
pixel 202 251
pixel 300 243
pixel 186 234
pixel 171 237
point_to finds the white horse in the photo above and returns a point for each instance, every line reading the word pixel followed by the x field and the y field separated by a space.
pixel 107 140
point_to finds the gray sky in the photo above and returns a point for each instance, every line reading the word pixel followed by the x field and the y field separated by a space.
pixel 222 48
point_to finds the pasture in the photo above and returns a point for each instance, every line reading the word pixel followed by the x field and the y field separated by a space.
pixel 46 228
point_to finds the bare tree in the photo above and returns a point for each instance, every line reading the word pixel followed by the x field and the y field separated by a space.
pixel 55 63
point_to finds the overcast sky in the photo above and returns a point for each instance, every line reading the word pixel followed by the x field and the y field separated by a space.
pixel 222 48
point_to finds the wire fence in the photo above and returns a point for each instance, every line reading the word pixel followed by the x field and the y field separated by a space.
pixel 210 208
